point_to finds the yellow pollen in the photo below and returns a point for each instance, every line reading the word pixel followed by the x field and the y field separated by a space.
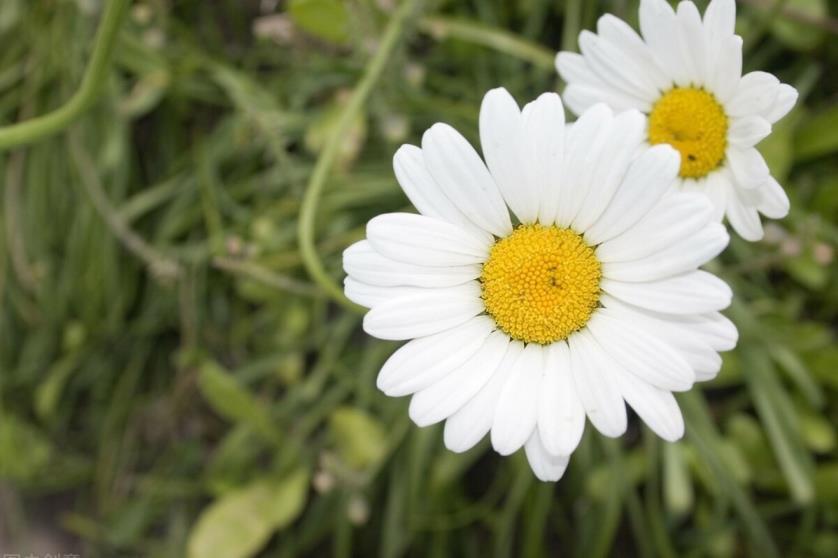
pixel 693 122
pixel 540 284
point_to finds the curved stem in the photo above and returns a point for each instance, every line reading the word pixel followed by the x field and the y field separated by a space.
pixel 496 39
pixel 308 210
pixel 51 123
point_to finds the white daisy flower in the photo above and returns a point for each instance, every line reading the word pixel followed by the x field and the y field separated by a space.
pixel 686 75
pixel 592 299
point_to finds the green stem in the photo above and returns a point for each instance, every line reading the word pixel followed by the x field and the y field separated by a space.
pixel 497 39
pixel 40 127
pixel 308 209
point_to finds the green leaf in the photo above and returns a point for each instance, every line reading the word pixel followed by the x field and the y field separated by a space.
pixel 817 135
pixel 360 438
pixel 24 451
pixel 238 524
pixel 232 400
pixel 325 19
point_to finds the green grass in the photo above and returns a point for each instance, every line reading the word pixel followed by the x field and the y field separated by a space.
pixel 172 378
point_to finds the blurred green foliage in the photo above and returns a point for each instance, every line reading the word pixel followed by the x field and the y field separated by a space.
pixel 173 384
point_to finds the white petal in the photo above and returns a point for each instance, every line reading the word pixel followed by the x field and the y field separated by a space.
pixel 362 262
pixel 543 143
pixel 585 143
pixel 425 241
pixel 661 32
pixel 773 202
pixel 656 407
pixel 679 258
pixel 693 42
pixel 369 295
pixel 561 418
pixel 716 187
pixel 648 178
pixel 424 314
pixel 458 169
pixel 616 68
pixel 467 426
pixel 674 218
pixel 676 331
pixel 755 94
pixel 621 35
pixel 573 68
pixel 748 131
pixel 783 103
pixel 448 395
pixel 645 356
pixel 421 188
pixel 691 293
pixel 747 166
pixel 627 135
pixel 720 18
pixel 501 134
pixel 711 328
pixel 579 97
pixel 517 409
pixel 743 217
pixel 421 362
pixel 548 468
pixel 724 77
pixel 593 374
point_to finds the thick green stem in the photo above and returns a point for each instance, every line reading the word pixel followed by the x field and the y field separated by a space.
pixel 51 123
pixel 308 210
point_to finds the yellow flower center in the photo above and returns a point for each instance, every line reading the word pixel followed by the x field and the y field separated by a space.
pixel 693 122
pixel 540 284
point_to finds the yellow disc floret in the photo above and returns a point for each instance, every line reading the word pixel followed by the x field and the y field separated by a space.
pixel 540 284
pixel 693 122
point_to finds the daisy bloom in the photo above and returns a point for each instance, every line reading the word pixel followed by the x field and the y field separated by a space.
pixel 685 73
pixel 588 298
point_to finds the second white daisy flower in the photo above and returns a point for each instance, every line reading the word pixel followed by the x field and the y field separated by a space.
pixel 685 73
pixel 592 300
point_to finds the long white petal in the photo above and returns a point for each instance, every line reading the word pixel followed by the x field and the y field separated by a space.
pixel 448 395
pixel 421 362
pixel 657 407
pixel 748 131
pixel 674 218
pixel 644 356
pixel 593 374
pixel 648 178
pixel 691 293
pixel 561 417
pixel 544 142
pixel 425 241
pixel 458 169
pixel 678 258
pixel 517 409
pixel 370 295
pixel 743 217
pixel 547 467
pixel 747 166
pixel 773 201
pixel 627 134
pixel 424 314
pixel 467 426
pixel 755 94
pixel 363 263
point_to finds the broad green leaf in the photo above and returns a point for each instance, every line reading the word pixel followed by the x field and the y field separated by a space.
pixel 232 400
pixel 24 451
pixel 238 524
pixel 325 19
pixel 360 438
pixel 817 135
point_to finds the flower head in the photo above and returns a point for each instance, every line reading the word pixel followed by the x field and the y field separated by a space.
pixel 685 73
pixel 587 297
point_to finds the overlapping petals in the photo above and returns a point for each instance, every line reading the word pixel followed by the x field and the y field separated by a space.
pixel 658 329
pixel 679 48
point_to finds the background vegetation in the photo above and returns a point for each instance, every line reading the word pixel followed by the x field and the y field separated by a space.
pixel 173 383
